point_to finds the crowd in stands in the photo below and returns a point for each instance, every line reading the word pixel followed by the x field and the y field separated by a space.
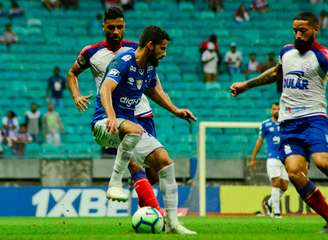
pixel 36 127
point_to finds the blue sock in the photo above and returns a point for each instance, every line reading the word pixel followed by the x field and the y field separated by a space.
pixel 306 190
pixel 138 175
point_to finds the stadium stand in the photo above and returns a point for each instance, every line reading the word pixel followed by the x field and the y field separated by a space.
pixel 54 38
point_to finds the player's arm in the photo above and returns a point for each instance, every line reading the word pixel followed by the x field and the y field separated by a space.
pixel 256 150
pixel 81 102
pixel 269 76
pixel 158 95
pixel 106 90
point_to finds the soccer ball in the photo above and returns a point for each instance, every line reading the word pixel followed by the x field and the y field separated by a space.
pixel 147 220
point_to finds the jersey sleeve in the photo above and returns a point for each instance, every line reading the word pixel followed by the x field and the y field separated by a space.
pixel 285 49
pixel 83 59
pixel 153 80
pixel 118 68
pixel 262 132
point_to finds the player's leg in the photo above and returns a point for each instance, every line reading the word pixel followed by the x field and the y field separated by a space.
pixel 146 196
pixel 320 159
pixel 160 161
pixel 296 166
pixel 130 133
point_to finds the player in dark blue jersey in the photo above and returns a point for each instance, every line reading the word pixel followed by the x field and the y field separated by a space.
pixel 275 169
pixel 96 57
pixel 127 77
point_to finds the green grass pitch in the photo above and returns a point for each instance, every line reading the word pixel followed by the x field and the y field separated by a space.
pixel 220 227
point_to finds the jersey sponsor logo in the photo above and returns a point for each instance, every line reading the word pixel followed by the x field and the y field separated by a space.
pixel 139 84
pixel 287 149
pixel 129 102
pixel 114 72
pixel 294 109
pixel 295 80
pixel 130 81
pixel 126 58
pixel 133 69
pixel 150 68
pixel 141 71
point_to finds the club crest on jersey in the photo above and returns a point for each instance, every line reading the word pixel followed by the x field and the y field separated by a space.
pixel 295 80
pixel 126 58
pixel 287 149
pixel 139 83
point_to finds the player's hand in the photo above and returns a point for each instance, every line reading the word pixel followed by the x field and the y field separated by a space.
pixel 185 114
pixel 238 88
pixel 82 102
pixel 252 164
pixel 111 125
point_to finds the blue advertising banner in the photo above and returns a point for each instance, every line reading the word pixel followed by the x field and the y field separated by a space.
pixel 80 201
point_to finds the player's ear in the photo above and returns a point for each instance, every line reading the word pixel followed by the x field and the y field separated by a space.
pixel 150 45
pixel 103 26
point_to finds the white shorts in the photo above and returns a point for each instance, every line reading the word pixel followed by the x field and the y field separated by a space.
pixel 275 168
pixel 144 147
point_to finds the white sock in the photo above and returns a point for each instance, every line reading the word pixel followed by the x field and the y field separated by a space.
pixel 275 195
pixel 123 156
pixel 168 187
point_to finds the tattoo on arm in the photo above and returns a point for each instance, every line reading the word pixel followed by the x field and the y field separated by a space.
pixel 271 75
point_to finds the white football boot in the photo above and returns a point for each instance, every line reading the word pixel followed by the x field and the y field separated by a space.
pixel 117 193
pixel 179 229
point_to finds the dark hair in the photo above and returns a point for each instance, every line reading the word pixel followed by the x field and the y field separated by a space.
pixel 154 34
pixel 307 16
pixel 113 13
pixel 275 103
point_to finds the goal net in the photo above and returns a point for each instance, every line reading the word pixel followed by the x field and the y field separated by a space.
pixel 242 137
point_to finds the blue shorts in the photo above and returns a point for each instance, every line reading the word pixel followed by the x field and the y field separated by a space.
pixel 148 124
pixel 303 136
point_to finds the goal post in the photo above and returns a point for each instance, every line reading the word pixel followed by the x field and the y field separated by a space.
pixel 202 154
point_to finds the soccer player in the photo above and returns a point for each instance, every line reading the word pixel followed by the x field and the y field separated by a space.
pixel 96 57
pixel 275 169
pixel 128 75
pixel 303 118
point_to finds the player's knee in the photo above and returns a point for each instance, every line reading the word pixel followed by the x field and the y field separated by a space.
pixel 284 187
pixel 130 141
pixel 321 162
pixel 133 167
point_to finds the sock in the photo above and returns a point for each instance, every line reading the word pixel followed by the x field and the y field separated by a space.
pixel 124 153
pixel 146 196
pixel 275 196
pixel 314 198
pixel 168 187
pixel 270 201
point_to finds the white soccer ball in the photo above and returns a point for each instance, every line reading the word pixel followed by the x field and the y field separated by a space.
pixel 147 220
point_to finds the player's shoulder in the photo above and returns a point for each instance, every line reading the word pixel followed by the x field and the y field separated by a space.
pixel 286 48
pixel 267 123
pixel 125 56
pixel 94 47
pixel 321 50
pixel 129 43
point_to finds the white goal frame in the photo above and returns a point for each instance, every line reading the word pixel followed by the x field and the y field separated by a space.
pixel 202 154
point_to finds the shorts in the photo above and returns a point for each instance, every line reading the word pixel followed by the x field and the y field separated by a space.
pixel 148 124
pixel 144 147
pixel 275 169
pixel 303 136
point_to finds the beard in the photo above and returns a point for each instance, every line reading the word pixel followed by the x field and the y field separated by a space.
pixel 276 116
pixel 153 60
pixel 304 46
pixel 114 40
